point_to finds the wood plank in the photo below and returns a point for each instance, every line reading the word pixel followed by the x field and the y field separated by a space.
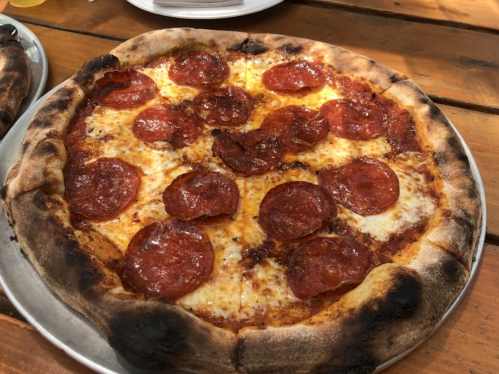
pixel 467 342
pixel 483 14
pixel 481 133
pixel 444 61
pixel 24 351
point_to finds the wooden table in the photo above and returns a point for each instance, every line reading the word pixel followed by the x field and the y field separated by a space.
pixel 449 47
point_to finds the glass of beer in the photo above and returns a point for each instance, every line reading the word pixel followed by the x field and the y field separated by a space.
pixel 25 3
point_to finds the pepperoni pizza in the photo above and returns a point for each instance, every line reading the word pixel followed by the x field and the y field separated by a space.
pixel 226 202
pixel 15 76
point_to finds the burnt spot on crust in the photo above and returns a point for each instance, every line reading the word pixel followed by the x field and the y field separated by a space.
pixel 86 74
pixel 9 29
pixel 5 117
pixel 45 149
pixel 54 107
pixel 149 339
pixel 360 353
pixel 252 48
pixel 435 113
pixel 397 78
pixel 456 146
pixel 3 191
pixel 289 48
pixel 25 146
pixel 399 303
pixel 452 270
pixel 88 274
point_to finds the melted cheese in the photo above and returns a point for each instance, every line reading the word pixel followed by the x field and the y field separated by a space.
pixel 233 293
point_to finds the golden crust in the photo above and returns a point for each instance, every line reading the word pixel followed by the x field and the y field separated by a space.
pixel 456 229
pixel 393 309
pixel 172 42
pixel 16 76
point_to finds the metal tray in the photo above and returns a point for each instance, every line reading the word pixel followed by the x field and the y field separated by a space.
pixel 37 60
pixel 71 331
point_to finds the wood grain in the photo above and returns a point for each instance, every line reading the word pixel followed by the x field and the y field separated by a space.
pixel 444 61
pixel 63 62
pixel 483 14
pixel 24 351
pixel 466 343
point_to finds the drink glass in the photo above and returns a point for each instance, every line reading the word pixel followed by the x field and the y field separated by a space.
pixel 26 3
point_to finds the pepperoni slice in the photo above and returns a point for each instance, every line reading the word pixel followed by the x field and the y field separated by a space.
pixel 199 69
pixel 366 186
pixel 102 189
pixel 201 196
pixel 228 106
pixel 300 129
pixel 124 89
pixel 294 211
pixel 401 127
pixel 328 267
pixel 175 124
pixel 354 89
pixel 167 259
pixel 352 120
pixel 248 153
pixel 294 77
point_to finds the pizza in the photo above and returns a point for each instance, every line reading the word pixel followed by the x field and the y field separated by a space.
pixel 224 202
pixel 15 76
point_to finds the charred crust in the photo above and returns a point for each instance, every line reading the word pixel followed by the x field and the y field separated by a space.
pixel 62 103
pixel 423 100
pixel 400 302
pixel 354 354
pixel 85 75
pixel 46 149
pixel 454 144
pixel 434 112
pixel 467 230
pixel 10 41
pixel 451 270
pixel 252 48
pixel 75 259
pixel 397 78
pixel 5 117
pixel 3 191
pixel 289 48
pixel 9 29
pixel 149 339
